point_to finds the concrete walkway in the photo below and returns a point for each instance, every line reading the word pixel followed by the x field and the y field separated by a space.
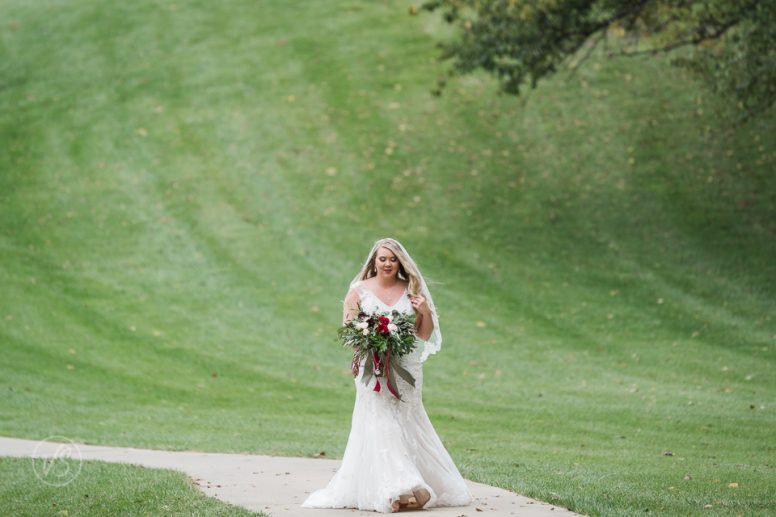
pixel 270 484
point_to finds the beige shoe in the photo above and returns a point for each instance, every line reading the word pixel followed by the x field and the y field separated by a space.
pixel 416 501
pixel 421 497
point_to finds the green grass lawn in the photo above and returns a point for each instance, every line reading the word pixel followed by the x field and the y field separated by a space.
pixel 187 188
pixel 102 488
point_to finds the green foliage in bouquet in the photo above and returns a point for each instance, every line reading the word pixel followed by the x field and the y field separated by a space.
pixel 380 332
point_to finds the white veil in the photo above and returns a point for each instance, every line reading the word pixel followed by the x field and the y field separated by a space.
pixel 434 343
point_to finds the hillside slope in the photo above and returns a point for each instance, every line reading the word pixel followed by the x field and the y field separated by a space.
pixel 186 189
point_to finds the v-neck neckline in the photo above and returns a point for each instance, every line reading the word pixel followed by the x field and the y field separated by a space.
pixel 381 301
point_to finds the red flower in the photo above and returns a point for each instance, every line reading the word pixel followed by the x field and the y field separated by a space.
pixel 383 328
pixel 384 320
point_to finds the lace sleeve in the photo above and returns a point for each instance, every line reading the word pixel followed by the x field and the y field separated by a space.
pixel 433 344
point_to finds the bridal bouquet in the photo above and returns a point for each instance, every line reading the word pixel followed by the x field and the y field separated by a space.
pixel 384 337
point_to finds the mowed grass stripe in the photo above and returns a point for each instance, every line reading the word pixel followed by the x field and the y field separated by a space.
pixel 188 190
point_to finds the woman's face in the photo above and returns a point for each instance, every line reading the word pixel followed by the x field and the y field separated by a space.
pixel 386 263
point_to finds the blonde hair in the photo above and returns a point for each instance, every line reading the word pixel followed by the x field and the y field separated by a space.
pixel 407 268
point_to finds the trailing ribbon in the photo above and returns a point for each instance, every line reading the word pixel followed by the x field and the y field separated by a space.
pixel 389 377
pixel 380 366
pixel 376 361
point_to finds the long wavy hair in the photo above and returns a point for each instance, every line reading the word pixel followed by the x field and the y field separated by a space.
pixel 407 268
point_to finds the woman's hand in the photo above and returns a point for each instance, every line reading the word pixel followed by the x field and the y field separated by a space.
pixel 420 305
pixel 424 324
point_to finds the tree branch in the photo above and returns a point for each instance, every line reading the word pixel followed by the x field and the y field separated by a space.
pixel 681 43
pixel 596 41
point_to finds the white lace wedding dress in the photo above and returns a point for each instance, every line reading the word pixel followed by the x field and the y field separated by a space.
pixel 392 448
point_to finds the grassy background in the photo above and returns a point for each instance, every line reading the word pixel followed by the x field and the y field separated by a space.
pixel 186 188
pixel 102 488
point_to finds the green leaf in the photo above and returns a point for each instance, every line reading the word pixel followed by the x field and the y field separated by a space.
pixel 404 374
pixel 366 377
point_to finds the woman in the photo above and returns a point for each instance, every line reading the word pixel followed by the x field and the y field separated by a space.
pixel 394 459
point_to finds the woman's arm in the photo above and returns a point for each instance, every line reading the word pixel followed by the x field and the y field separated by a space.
pixel 424 326
pixel 424 323
pixel 350 311
pixel 350 306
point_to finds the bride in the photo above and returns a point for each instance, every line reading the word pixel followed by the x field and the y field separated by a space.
pixel 394 459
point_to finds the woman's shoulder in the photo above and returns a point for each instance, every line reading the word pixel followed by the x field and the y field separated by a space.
pixel 357 290
pixel 362 287
pixel 354 296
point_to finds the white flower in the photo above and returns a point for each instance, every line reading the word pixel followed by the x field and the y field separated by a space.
pixel 366 332
pixel 362 325
pixel 392 327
